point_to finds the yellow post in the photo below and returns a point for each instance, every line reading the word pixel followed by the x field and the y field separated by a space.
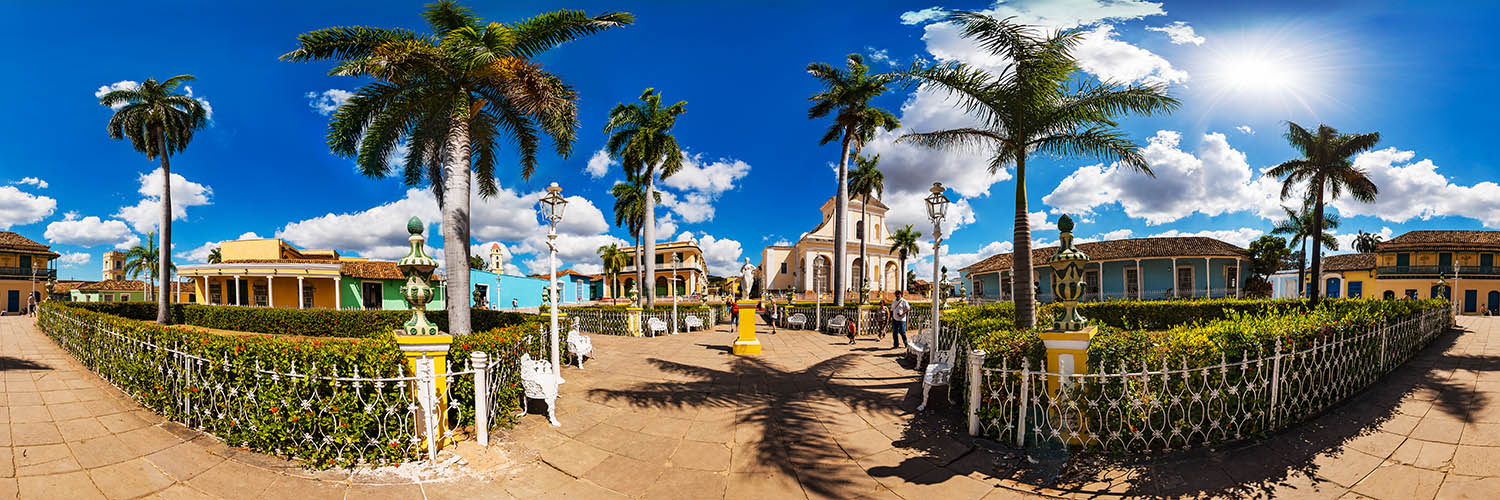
pixel 747 343
pixel 866 315
pixel 633 319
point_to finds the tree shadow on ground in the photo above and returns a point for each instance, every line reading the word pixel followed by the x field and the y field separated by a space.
pixel 8 363
pixel 1266 467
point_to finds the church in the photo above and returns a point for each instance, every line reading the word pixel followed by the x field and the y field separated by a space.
pixel 807 265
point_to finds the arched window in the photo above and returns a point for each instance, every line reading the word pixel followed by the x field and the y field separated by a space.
pixel 821 269
pixel 1389 295
pixel 891 277
pixel 858 273
pixel 859 229
pixel 661 286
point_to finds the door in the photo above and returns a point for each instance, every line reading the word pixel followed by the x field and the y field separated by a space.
pixel 1486 262
pixel 1132 282
pixel 370 295
pixel 1494 303
pixel 1184 282
pixel 1331 288
pixel 1403 260
pixel 1445 262
pixel 26 262
pixel 1471 301
pixel 1091 285
pixel 13 301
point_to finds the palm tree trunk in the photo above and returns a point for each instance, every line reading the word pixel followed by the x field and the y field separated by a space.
pixel 638 264
pixel 864 223
pixel 164 249
pixel 840 215
pixel 1021 284
pixel 649 228
pixel 1301 270
pixel 455 224
pixel 901 278
pixel 1317 242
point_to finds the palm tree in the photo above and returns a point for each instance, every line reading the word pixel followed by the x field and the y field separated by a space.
pixel 614 261
pixel 215 256
pixel 1327 170
pixel 452 98
pixel 846 94
pixel 476 262
pixel 146 260
pixel 904 242
pixel 865 180
pixel 1298 227
pixel 1366 242
pixel 159 121
pixel 1035 105
pixel 640 137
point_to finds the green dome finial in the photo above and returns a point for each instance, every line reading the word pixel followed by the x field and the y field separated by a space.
pixel 1065 224
pixel 414 226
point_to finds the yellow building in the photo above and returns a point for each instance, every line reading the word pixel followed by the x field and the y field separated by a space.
pixel 272 273
pixel 23 271
pixel 679 261
pixel 1412 264
pixel 1349 275
pixel 808 264
pixel 114 266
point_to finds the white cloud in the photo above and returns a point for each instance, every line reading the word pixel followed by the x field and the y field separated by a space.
pixel 379 232
pixel 131 84
pixel 1180 33
pixel 599 164
pixel 1038 222
pixel 248 235
pixel 199 254
pixel 40 184
pixel 1414 189
pixel 1245 129
pixel 90 231
pixel 208 109
pixel 881 56
pixel 327 101
pixel 723 255
pixel 922 16
pixel 482 250
pixel 1112 60
pixel 73 259
pixel 922 264
pixel 710 178
pixel 1218 180
pixel 1239 237
pixel 1118 234
pixel 665 224
pixel 19 208
pixel 145 214
pixel 1346 240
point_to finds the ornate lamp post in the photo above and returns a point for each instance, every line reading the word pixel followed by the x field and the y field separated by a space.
pixel 676 263
pixel 552 208
pixel 937 209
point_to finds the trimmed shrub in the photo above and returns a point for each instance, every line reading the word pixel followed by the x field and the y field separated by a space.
pixel 303 322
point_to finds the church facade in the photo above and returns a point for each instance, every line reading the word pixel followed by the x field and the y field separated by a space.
pixel 807 265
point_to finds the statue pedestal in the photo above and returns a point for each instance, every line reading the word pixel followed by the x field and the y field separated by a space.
pixel 747 343
pixel 1067 355
pixel 427 358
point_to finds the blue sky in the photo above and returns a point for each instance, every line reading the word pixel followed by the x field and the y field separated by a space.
pixel 1416 72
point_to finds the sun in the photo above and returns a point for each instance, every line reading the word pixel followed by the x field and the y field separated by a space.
pixel 1259 73
pixel 1281 72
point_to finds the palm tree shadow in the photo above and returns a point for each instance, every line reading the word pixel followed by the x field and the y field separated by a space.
pixel 8 363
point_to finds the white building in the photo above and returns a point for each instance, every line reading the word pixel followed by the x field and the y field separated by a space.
pixel 808 264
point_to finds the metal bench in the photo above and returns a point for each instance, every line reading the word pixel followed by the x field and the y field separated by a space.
pixel 939 371
pixel 838 324
pixel 539 381
pixel 920 345
pixel 798 321
pixel 656 325
pixel 580 345
pixel 692 322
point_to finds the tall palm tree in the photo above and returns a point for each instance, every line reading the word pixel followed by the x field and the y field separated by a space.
pixel 865 180
pixel 640 137
pixel 452 98
pixel 1298 227
pixel 146 259
pixel 614 261
pixel 1327 170
pixel 846 94
pixel 215 256
pixel 159 122
pixel 904 243
pixel 1034 105
pixel 1366 242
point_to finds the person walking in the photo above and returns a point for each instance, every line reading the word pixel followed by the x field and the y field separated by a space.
pixel 899 308
pixel 734 315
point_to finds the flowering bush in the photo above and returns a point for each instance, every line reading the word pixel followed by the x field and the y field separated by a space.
pixel 303 322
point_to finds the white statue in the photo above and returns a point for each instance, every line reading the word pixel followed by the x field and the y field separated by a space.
pixel 747 278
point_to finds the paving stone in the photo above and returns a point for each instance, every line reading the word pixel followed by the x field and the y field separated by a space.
pixel 305 489
pixel 1345 468
pixel 1477 461
pixel 1376 443
pixel 763 485
pixel 148 440
pixel 233 481
pixel 574 457
pixel 129 479
pixel 1424 454
pixel 385 491
pixel 1459 487
pixel 1480 434
pixel 686 484
pixel 100 451
pixel 81 429
pixel 1394 481
pixel 713 457
pixel 1442 430
pixel 34 434
pixel 625 475
pixel 846 480
pixel 71 485
pixel 184 461
pixel 43 459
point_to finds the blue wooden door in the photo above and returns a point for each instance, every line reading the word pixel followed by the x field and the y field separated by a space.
pixel 13 301
pixel 1494 302
pixel 1471 301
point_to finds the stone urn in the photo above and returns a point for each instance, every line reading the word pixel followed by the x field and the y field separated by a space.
pixel 1067 277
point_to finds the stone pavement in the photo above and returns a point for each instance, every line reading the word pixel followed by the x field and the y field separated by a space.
pixel 678 417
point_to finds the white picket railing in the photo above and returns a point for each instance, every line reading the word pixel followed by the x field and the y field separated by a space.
pixel 1155 408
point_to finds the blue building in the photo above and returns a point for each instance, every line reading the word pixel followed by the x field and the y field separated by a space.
pixel 1137 268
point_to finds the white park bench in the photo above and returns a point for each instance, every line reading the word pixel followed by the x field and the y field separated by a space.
pixel 939 371
pixel 692 322
pixel 798 321
pixel 838 324
pixel 920 345
pixel 580 345
pixel 656 325
pixel 539 381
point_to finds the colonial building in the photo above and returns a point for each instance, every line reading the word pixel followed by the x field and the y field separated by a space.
pixel 23 271
pixel 679 262
pixel 272 273
pixel 1137 269
pixel 807 265
pixel 113 290
pixel 1349 275
pixel 1460 265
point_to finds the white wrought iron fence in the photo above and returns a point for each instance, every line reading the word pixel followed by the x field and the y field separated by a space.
pixel 1128 409
pixel 615 322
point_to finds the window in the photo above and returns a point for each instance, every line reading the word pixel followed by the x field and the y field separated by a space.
pixel 370 294
pixel 1403 259
pixel 1356 289
pixel 1133 282
pixel 660 258
pixel 258 294
pixel 215 293
pixel 481 295
pixel 1411 293
pixel 1389 295
pixel 1005 285
pixel 192 298
pixel 859 229
pixel 109 297
pixel 1091 283
pixel 307 296
pixel 1232 278
pixel 978 287
pixel 1445 262
pixel 1185 281
pixel 783 268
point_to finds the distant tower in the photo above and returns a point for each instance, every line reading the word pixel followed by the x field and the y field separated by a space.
pixel 114 265
pixel 497 259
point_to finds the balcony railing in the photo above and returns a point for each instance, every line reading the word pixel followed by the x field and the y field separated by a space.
pixel 28 272
pixel 1434 271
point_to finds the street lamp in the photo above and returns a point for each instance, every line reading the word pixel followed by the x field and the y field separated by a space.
pixel 676 263
pixel 937 209
pixel 552 208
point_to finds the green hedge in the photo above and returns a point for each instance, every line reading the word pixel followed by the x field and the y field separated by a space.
pixel 304 322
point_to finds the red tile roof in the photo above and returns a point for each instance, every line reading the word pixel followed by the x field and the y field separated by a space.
pixel 1134 248
pixel 16 243
pixel 375 269
pixel 1349 262
pixel 1443 239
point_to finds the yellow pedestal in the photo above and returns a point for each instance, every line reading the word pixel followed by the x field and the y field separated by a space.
pixel 747 343
pixel 428 354
pixel 1067 354
pixel 633 320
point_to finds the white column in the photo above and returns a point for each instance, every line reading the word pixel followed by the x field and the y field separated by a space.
pixel 338 293
pixel 237 299
pixel 1174 277
pixel 300 299
pixel 1140 281
pixel 1208 279
pixel 270 293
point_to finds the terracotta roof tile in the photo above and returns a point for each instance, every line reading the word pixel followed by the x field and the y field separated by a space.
pixel 375 269
pixel 16 242
pixel 121 286
pixel 1349 262
pixel 1451 239
pixel 1134 248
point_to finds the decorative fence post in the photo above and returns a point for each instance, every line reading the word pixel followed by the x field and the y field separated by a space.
pixel 479 361
pixel 866 318
pixel 1275 382
pixel 633 320
pixel 1025 405
pixel 1068 341
pixel 976 388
